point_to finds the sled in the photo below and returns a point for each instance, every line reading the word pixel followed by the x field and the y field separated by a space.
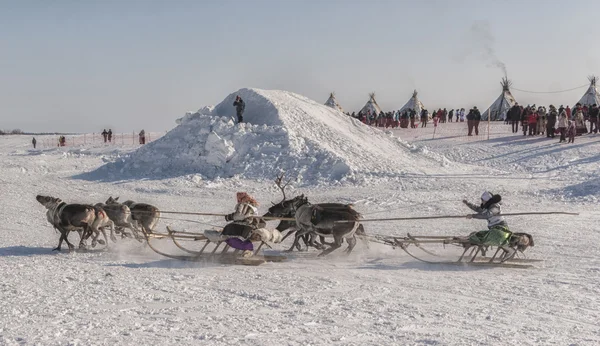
pixel 213 248
pixel 472 255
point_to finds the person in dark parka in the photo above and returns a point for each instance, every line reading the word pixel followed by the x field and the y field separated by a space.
pixel 239 105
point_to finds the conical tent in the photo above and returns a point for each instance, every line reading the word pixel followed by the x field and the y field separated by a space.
pixel 591 96
pixel 332 102
pixel 371 105
pixel 413 104
pixel 502 105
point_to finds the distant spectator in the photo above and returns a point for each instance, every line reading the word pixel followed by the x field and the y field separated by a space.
pixel 594 112
pixel 542 121
pixel 109 135
pixel 525 119
pixel 240 106
pixel 514 114
pixel 571 131
pixel 532 119
pixel 104 134
pixel 562 125
pixel 412 116
pixel 476 120
pixel 470 121
pixel 142 136
pixel 424 117
pixel 34 142
pixel 550 125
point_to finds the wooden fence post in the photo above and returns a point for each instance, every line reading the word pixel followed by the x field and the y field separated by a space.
pixel 489 120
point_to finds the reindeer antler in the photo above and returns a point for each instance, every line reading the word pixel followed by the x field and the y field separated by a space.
pixel 278 180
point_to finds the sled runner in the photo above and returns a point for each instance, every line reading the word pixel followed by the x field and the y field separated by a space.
pixel 214 247
pixel 509 256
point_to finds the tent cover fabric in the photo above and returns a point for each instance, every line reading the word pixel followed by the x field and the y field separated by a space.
pixel 502 105
pixel 414 104
pixel 332 102
pixel 371 105
pixel 591 96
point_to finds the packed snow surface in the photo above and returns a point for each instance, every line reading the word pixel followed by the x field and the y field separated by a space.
pixel 128 295
pixel 282 131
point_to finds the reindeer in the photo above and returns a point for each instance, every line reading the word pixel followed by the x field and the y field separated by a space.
pixel 102 221
pixel 340 223
pixel 145 215
pixel 69 217
pixel 120 215
pixel 285 208
pixel 520 241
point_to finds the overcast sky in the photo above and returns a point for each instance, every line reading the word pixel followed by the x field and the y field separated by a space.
pixel 80 66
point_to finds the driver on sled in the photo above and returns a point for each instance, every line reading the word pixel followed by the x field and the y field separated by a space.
pixel 241 230
pixel 498 233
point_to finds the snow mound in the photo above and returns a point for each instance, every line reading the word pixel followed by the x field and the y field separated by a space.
pixel 283 132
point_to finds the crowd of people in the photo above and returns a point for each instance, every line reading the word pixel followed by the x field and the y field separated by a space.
pixel 562 120
pixel 410 117
pixel 531 120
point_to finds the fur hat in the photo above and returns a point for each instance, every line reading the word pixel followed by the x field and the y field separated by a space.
pixel 243 197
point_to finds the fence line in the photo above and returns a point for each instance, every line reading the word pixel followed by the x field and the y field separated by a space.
pixel 94 140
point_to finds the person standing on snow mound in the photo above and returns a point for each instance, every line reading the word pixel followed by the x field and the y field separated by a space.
pixel 498 233
pixel 239 105
pixel 244 223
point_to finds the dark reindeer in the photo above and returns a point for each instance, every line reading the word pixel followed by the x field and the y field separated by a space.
pixel 286 208
pixel 339 222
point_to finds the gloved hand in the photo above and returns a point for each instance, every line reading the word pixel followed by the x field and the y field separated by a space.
pixel 229 217
pixel 470 216
pixel 465 201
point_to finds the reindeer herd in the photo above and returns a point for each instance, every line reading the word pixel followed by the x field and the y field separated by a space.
pixel 137 220
pixel 91 220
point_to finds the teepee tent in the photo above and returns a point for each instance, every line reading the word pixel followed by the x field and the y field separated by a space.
pixel 591 96
pixel 332 102
pixel 371 105
pixel 413 104
pixel 502 105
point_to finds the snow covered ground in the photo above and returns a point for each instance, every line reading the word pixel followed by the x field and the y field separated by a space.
pixel 378 296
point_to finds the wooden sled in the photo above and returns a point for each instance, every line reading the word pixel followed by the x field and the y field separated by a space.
pixel 214 249
pixel 473 254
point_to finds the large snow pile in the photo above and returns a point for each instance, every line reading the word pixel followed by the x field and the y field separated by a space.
pixel 284 131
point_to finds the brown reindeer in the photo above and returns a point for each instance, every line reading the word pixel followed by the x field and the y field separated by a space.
pixel 145 216
pixel 69 217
